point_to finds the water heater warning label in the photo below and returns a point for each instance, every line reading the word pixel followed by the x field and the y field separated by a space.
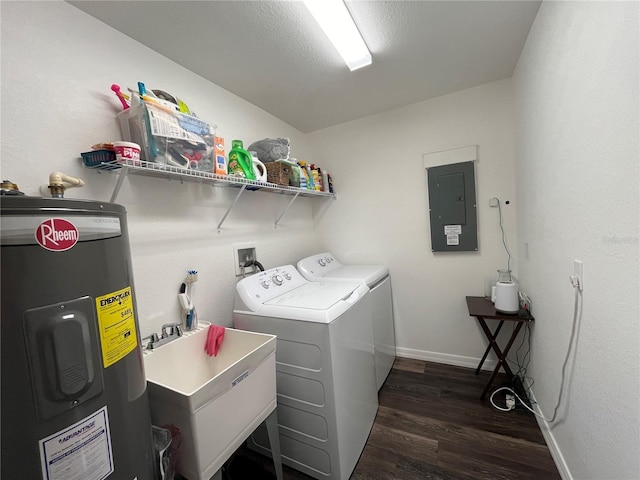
pixel 79 452
pixel 117 325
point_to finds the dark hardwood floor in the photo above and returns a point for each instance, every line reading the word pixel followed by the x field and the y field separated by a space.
pixel 431 425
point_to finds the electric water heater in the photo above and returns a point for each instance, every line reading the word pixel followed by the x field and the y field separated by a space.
pixel 74 399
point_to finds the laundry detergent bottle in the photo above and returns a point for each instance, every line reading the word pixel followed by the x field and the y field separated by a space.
pixel 240 161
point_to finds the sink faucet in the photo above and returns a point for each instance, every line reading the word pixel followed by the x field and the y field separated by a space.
pixel 168 332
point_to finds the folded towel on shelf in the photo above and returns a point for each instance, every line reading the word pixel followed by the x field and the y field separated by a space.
pixel 215 335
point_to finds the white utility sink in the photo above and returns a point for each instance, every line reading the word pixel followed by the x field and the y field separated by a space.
pixel 216 402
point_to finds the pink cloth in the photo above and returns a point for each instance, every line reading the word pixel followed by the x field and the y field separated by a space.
pixel 215 335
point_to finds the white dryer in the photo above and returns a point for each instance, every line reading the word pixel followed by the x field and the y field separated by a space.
pixel 325 367
pixel 324 267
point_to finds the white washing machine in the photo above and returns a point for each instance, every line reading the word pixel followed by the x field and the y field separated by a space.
pixel 324 267
pixel 325 367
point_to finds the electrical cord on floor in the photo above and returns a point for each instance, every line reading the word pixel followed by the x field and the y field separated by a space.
pixel 577 315
pixel 523 365
pixel 498 407
pixel 521 372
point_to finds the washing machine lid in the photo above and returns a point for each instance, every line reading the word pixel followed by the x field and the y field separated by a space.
pixel 319 302
pixel 315 296
pixel 282 292
pixel 369 274
pixel 324 267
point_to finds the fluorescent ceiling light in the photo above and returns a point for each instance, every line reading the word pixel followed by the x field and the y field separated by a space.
pixel 334 18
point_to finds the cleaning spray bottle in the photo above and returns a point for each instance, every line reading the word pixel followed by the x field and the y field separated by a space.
pixel 316 173
pixel 240 162
pixel 307 173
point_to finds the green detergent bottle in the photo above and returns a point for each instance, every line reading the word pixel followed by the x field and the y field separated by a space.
pixel 240 162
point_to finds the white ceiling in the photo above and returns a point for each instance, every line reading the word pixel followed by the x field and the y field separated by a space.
pixel 272 53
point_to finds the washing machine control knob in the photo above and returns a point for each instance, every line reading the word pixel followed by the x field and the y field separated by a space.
pixel 287 276
pixel 322 263
pixel 265 283
pixel 277 279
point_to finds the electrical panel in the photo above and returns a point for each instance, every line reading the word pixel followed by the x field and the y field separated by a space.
pixel 452 207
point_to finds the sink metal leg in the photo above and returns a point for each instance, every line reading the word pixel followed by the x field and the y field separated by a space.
pixel 274 441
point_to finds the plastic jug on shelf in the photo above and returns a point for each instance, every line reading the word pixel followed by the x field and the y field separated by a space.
pixel 259 168
pixel 240 162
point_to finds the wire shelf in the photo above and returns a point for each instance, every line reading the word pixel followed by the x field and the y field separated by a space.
pixel 169 172
pixel 152 169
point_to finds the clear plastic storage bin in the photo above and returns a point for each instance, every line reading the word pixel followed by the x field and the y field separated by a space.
pixel 169 137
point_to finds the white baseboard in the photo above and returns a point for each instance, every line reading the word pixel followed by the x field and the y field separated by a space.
pixel 550 439
pixel 457 360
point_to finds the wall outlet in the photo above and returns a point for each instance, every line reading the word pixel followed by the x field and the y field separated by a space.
pixel 493 202
pixel 243 252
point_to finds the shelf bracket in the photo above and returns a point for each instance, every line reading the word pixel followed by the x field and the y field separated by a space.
pixel 124 171
pixel 285 209
pixel 235 200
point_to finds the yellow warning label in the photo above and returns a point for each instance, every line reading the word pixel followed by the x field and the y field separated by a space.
pixel 117 325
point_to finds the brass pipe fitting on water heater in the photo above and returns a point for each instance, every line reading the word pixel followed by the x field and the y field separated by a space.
pixel 59 182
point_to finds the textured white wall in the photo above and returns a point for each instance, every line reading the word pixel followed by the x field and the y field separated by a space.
pixel 382 215
pixel 57 68
pixel 576 87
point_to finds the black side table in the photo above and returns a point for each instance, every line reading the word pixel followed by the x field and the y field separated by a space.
pixel 483 309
